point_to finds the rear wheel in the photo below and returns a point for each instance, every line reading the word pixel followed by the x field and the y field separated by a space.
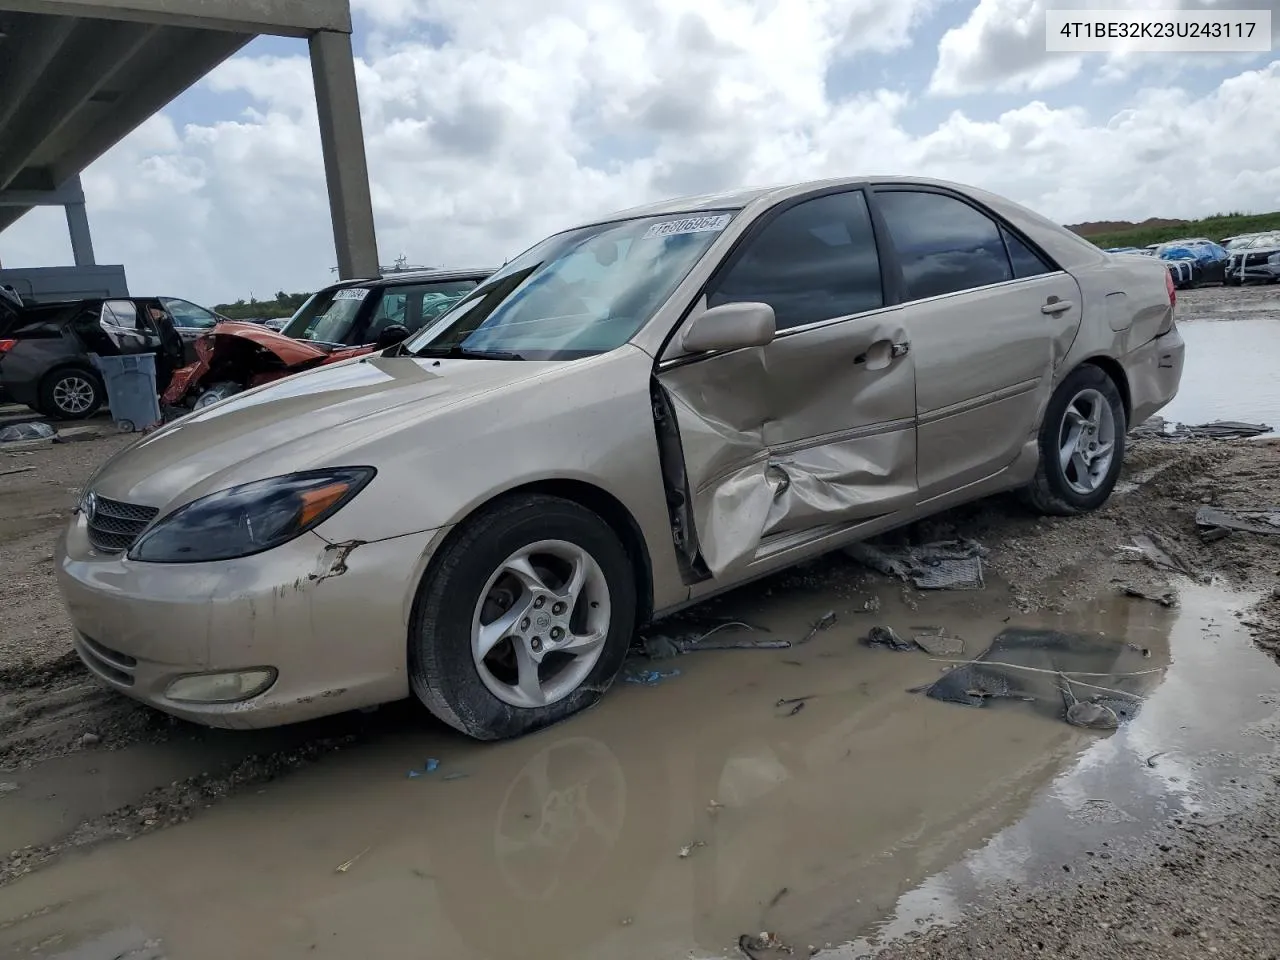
pixel 1081 445
pixel 71 394
pixel 523 620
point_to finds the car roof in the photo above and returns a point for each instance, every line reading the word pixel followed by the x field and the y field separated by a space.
pixel 416 276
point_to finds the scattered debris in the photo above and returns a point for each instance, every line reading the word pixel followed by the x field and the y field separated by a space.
pixel 1157 428
pixel 714 807
pixel 795 709
pixel 750 944
pixel 1096 679
pixel 1217 522
pixel 822 623
pixel 1168 598
pixel 887 638
pixel 430 766
pixel 30 430
pixel 688 848
pixel 785 701
pixel 1158 554
pixel 344 867
pixel 944 565
pixel 934 641
pixel 650 677
pixel 686 635
pixel 90 740
pixel 777 897
pixel 1151 760
pixel 11 470
pixel 455 776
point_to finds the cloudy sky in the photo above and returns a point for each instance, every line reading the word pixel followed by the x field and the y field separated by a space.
pixel 490 123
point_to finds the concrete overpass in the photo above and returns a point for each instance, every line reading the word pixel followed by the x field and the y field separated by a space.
pixel 77 76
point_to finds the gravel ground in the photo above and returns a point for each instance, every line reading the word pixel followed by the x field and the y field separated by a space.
pixel 1199 890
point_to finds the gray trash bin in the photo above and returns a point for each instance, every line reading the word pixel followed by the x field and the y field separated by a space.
pixel 131 389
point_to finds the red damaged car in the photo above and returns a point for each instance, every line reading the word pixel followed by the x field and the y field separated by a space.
pixel 341 321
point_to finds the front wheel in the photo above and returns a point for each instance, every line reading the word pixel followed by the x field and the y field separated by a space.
pixel 524 618
pixel 1081 445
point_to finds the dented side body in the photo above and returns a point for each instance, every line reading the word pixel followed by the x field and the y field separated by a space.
pixel 715 468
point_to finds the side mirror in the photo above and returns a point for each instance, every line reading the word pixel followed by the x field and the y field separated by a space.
pixel 730 326
pixel 391 335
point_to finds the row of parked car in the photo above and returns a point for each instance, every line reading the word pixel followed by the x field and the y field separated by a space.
pixel 202 356
pixel 1232 262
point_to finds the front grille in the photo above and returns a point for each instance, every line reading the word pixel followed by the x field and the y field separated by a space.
pixel 114 525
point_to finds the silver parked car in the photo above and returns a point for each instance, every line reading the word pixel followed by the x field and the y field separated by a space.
pixel 629 417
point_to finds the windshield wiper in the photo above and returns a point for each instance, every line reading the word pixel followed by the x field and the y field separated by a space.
pixel 465 353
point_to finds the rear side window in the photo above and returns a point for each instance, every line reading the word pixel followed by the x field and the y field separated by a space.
pixel 814 261
pixel 943 244
pixel 1026 262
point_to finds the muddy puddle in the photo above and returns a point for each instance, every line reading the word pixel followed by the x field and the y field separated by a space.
pixel 866 812
pixel 1231 371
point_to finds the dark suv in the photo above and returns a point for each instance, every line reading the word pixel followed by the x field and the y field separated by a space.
pixel 44 350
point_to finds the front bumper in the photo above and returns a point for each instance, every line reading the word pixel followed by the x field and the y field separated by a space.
pixel 335 632
pixel 1154 371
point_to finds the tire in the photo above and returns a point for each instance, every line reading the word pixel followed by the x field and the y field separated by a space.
pixel 1062 492
pixel 484 697
pixel 217 392
pixel 71 393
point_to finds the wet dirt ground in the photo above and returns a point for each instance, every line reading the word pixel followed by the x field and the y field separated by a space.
pixel 848 825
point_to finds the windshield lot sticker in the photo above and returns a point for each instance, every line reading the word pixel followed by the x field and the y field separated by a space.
pixel 351 293
pixel 674 228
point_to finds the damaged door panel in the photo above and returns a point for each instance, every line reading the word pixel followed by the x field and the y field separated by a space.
pixel 817 427
pixel 990 320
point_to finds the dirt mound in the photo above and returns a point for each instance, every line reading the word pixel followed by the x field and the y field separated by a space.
pixel 1095 227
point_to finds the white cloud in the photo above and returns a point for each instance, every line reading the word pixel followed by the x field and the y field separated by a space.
pixel 525 118
pixel 1001 47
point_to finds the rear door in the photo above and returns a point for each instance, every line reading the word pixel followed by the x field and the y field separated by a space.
pixel 783 443
pixel 990 316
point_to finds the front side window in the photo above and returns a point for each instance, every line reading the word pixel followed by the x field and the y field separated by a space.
pixel 814 261
pixel 576 294
pixel 187 314
pixel 943 244
pixel 412 306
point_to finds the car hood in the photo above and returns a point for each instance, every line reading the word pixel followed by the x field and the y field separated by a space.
pixel 302 422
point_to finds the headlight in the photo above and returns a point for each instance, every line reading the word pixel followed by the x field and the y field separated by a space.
pixel 1274 258
pixel 250 518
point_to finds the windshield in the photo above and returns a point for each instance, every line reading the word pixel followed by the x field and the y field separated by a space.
pixel 576 294
pixel 328 316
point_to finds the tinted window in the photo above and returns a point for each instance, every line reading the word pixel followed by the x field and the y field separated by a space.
pixel 1026 262
pixel 814 261
pixel 412 306
pixel 187 314
pixel 944 245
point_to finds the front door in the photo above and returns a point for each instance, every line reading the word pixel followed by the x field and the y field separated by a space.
pixel 990 319
pixel 816 430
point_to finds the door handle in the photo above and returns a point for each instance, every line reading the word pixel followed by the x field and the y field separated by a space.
pixel 1054 305
pixel 896 351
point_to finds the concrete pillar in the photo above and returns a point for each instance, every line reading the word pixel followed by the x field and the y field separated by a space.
pixel 78 227
pixel 342 142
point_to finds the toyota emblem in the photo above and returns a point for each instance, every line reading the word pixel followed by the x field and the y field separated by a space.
pixel 89 506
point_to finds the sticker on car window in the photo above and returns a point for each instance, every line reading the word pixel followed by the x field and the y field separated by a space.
pixel 351 293
pixel 674 228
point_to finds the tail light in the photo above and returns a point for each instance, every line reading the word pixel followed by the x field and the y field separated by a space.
pixel 1173 291
pixel 6 346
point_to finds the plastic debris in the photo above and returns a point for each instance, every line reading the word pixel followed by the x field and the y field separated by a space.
pixel 933 640
pixel 688 848
pixel 944 565
pixel 344 867
pixel 30 430
pixel 1157 428
pixel 431 766
pixel 649 678
pixel 1262 520
pixel 822 623
pixel 752 945
pixel 1086 680
pixel 680 635
pixel 888 638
